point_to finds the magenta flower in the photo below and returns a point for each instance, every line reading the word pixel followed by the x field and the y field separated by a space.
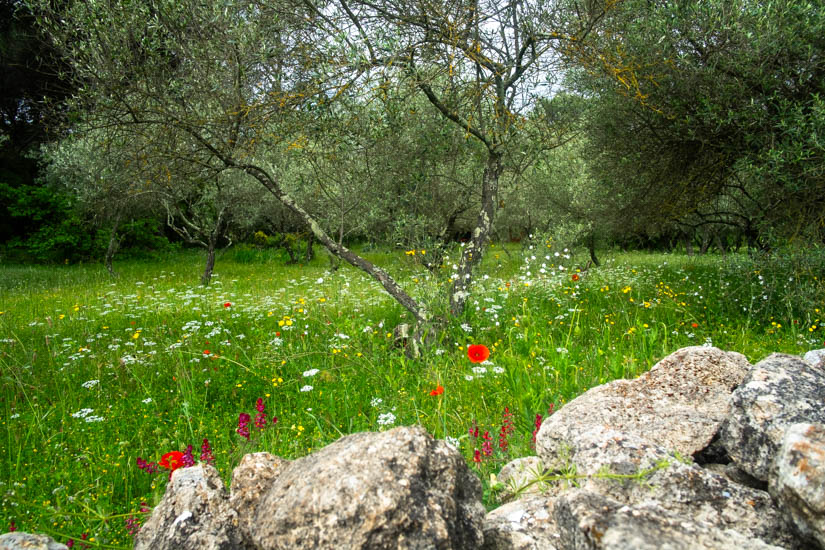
pixel 243 425
pixel 187 459
pixel 260 418
pixel 487 446
pixel 506 429
pixel 206 453
pixel 148 467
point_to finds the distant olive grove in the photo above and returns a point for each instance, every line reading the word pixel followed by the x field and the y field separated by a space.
pixel 132 129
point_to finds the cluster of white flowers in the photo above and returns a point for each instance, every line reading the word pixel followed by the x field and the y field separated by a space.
pixel 309 373
pixel 89 384
pixel 386 419
pixel 306 388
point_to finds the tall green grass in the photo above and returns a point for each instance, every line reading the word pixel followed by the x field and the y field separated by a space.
pixel 174 364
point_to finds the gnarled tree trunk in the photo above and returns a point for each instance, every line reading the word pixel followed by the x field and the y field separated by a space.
pixel 114 244
pixel 474 250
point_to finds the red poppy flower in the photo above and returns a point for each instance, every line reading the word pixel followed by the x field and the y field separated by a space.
pixel 575 277
pixel 438 391
pixel 228 304
pixel 694 325
pixel 478 353
pixel 172 460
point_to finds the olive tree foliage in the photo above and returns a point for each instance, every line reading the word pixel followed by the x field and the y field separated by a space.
pixel 710 113
pixel 481 64
pixel 107 184
pixel 207 88
pixel 389 170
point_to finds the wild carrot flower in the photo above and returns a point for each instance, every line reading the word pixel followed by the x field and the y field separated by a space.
pixel 206 453
pixel 478 353
pixel 437 391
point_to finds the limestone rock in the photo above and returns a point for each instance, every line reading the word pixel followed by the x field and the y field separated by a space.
pixel 395 489
pixel 26 541
pixel 682 489
pixel 588 521
pixel 525 524
pixel 194 513
pixel 779 391
pixel 251 480
pixel 798 480
pixel 521 477
pixel 816 357
pixel 679 404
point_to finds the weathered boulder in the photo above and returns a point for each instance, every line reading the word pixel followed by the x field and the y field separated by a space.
pixel 395 489
pixel 589 521
pixel 524 524
pixel 798 479
pixel 194 513
pixel 679 404
pixel 630 470
pixel 26 541
pixel 816 358
pixel 779 391
pixel 251 480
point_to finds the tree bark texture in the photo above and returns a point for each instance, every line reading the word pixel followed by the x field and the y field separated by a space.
pixel 114 244
pixel 474 250
pixel 339 250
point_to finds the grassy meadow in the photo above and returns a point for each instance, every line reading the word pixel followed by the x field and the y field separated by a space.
pixel 96 373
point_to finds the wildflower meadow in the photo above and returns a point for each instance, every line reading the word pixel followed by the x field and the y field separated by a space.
pixel 109 385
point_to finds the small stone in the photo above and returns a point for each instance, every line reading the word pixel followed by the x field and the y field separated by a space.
pixel 815 358
pixel 194 513
pixel 19 540
pixel 524 524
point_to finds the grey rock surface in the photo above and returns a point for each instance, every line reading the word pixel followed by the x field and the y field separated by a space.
pixel 19 540
pixel 395 489
pixel 251 480
pixel 798 479
pixel 682 489
pixel 779 391
pixel 589 521
pixel 194 513
pixel 679 404
pixel 816 357
pixel 524 524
